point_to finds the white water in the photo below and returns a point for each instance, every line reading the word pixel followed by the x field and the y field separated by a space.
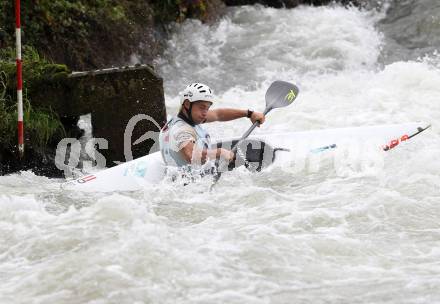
pixel 275 237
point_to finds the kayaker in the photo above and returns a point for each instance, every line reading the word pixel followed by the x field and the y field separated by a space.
pixel 184 142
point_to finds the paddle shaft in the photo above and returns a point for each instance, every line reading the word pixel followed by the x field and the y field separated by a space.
pixel 248 132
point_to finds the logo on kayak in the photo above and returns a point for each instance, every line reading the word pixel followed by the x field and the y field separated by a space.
pixel 290 96
pixel 81 180
pixel 138 169
pixel 395 142
pixel 86 179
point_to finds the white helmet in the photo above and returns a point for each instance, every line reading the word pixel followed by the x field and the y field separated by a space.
pixel 196 92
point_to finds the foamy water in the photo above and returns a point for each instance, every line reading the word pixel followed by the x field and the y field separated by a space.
pixel 327 235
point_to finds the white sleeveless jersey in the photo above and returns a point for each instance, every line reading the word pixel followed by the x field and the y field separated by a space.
pixel 173 137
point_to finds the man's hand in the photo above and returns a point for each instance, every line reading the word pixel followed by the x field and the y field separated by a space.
pixel 257 116
pixel 227 155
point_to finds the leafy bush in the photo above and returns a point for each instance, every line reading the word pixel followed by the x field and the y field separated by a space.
pixel 41 125
pixel 74 32
pixel 88 34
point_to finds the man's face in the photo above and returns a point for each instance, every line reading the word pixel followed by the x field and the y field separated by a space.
pixel 199 110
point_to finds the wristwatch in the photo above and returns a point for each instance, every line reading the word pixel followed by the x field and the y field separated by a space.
pixel 249 113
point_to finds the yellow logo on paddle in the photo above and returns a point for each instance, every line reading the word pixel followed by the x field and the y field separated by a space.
pixel 290 96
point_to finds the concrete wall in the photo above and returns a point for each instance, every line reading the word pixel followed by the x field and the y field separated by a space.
pixel 112 96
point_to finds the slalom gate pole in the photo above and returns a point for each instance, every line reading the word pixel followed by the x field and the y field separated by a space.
pixel 19 80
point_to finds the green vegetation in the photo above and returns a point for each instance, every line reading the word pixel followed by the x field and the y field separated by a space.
pixel 41 125
pixel 71 19
pixel 35 68
pixel 88 34
pixel 83 34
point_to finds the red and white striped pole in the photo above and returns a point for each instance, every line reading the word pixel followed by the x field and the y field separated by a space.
pixel 19 79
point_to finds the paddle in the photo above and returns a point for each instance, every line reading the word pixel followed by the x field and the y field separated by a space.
pixel 280 94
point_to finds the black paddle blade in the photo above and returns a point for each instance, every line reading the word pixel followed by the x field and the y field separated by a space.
pixel 280 94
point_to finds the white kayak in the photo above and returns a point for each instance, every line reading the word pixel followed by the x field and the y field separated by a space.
pixel 262 150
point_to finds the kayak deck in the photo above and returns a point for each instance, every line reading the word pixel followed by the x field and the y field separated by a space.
pixel 260 150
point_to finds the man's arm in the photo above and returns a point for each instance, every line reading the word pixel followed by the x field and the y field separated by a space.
pixel 231 114
pixel 225 114
pixel 192 154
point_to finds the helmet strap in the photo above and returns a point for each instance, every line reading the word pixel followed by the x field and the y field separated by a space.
pixel 190 113
pixel 187 117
